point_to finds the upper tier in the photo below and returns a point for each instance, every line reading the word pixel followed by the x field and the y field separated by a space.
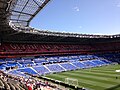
pixel 15 16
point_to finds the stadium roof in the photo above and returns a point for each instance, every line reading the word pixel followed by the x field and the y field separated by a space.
pixel 21 12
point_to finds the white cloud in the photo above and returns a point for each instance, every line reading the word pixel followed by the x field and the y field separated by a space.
pixel 118 5
pixel 80 27
pixel 77 9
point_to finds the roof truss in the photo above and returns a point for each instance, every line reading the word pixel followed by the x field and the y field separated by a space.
pixel 25 10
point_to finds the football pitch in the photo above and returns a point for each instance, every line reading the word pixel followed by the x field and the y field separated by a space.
pixel 98 78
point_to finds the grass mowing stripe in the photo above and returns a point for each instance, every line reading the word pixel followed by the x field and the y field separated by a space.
pixel 105 79
pixel 107 68
pixel 89 81
pixel 88 77
pixel 81 82
pixel 108 72
pixel 97 74
pixel 110 67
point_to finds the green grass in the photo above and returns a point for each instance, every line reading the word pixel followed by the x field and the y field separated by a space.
pixel 98 78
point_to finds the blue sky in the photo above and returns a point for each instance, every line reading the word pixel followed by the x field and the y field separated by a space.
pixel 80 16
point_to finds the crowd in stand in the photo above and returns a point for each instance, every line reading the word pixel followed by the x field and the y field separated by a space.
pixel 8 82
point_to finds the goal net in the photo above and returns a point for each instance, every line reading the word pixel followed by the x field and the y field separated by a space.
pixel 71 81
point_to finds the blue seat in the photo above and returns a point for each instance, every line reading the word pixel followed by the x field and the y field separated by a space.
pixel 55 68
pixel 79 64
pixel 68 66
pixel 41 70
pixel 28 70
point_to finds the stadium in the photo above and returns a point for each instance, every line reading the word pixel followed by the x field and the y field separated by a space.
pixel 32 59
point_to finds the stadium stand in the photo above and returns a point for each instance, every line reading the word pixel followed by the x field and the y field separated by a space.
pixel 55 68
pixel 8 82
pixel 79 65
pixel 68 66
pixel 13 50
pixel 41 70
pixel 63 63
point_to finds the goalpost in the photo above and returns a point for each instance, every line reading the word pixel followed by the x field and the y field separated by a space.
pixel 71 81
